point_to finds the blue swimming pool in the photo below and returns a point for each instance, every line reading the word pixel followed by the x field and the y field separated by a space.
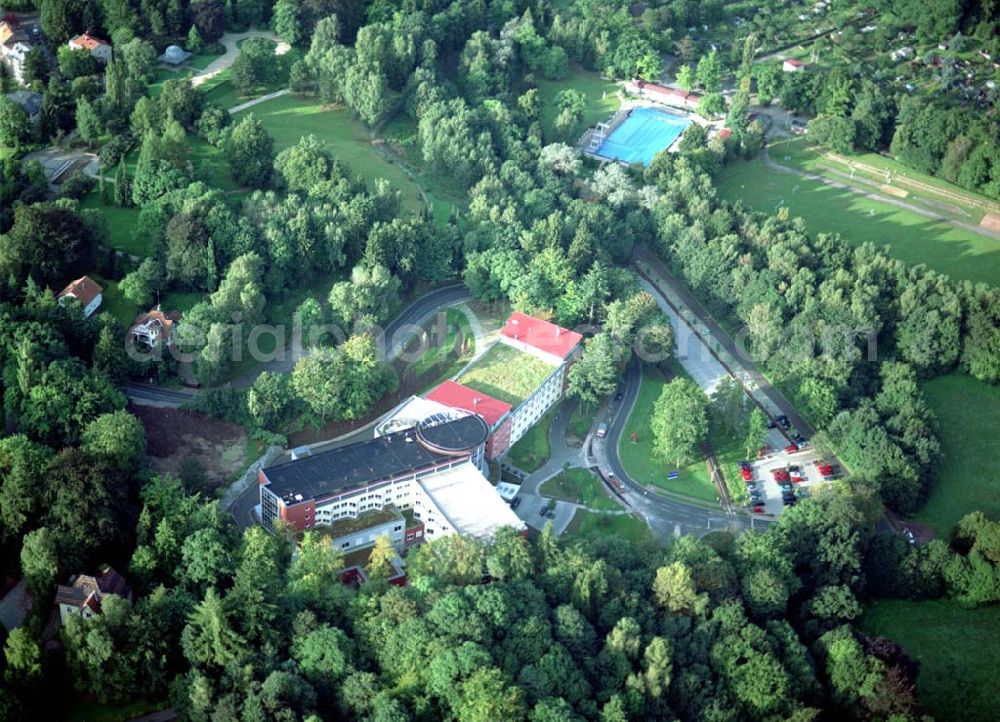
pixel 643 134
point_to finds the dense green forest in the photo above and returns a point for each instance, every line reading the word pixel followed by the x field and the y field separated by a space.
pixel 760 626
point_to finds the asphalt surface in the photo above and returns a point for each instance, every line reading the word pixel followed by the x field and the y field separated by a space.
pixel 666 516
pixel 396 335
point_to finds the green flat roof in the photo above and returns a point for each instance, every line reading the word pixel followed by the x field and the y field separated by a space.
pixel 507 374
pixel 365 520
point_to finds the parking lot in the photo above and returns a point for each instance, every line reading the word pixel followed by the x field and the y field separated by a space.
pixel 780 471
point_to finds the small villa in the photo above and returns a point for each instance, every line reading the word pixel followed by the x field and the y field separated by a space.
pixel 154 327
pixel 85 290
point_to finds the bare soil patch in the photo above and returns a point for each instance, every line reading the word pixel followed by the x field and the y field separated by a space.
pixel 991 221
pixel 174 436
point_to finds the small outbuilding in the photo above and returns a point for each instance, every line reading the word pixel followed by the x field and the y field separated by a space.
pixel 791 65
pixel 175 56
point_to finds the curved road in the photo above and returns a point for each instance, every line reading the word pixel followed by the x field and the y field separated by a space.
pixel 666 516
pixel 396 335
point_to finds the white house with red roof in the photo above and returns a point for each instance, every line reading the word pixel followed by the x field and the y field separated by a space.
pixel 85 290
pixel 791 65
pixel 100 49
pixel 496 413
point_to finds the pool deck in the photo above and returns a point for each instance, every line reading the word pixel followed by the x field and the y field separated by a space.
pixel 623 112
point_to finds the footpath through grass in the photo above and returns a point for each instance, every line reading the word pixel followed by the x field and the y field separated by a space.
pixel 590 525
pixel 289 118
pixel 968 414
pixel 578 486
pixel 942 246
pixel 639 459
pixel 958 651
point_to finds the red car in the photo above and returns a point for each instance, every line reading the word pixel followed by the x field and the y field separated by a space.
pixel 747 474
pixel 780 474
pixel 791 449
pixel 758 509
pixel 825 470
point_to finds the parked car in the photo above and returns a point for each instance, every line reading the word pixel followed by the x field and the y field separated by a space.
pixel 783 422
pixel 515 502
pixel 758 509
pixel 791 449
pixel 747 474
pixel 602 430
pixel 780 475
pixel 745 464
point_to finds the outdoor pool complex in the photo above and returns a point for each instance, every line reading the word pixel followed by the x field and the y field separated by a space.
pixel 643 134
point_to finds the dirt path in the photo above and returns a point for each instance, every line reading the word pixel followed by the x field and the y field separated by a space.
pixel 230 41
pixel 768 161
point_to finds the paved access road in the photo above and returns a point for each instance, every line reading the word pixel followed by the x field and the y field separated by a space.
pixel 666 516
pixel 396 335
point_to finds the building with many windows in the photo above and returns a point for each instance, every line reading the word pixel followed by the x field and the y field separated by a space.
pixel 430 471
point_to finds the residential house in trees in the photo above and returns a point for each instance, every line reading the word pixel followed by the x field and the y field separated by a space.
pixel 85 290
pixel 83 595
pixel 100 49
pixel 14 48
pixel 153 327
pixel 791 65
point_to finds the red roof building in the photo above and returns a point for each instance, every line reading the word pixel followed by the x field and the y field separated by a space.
pixel 540 338
pixel 84 592
pixel 87 291
pixel 100 49
pixel 494 412
pixel 664 94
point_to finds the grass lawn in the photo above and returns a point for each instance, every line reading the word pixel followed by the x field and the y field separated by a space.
pixel 210 164
pixel 580 421
pixel 85 710
pixel 114 303
pixel 958 650
pixel 507 374
pixel 121 221
pixel 968 413
pixel 640 462
pixel 182 301
pixel 532 449
pixel 587 524
pixel 288 118
pixel 602 100
pixel 443 193
pixel 579 486
pixel 960 253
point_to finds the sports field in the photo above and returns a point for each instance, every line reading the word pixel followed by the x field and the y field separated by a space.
pixel 968 415
pixel 913 238
pixel 958 651
pixel 643 134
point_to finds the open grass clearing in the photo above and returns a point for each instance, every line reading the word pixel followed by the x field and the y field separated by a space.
pixel 507 374
pixel 591 525
pixel 114 303
pixel 532 450
pixel 289 118
pixel 580 487
pixel 121 221
pixel 601 100
pixel 639 459
pixel 968 414
pixel 957 252
pixel 958 650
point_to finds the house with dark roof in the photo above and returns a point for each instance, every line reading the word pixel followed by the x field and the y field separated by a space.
pixel 431 470
pixel 29 101
pixel 175 56
pixel 83 595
